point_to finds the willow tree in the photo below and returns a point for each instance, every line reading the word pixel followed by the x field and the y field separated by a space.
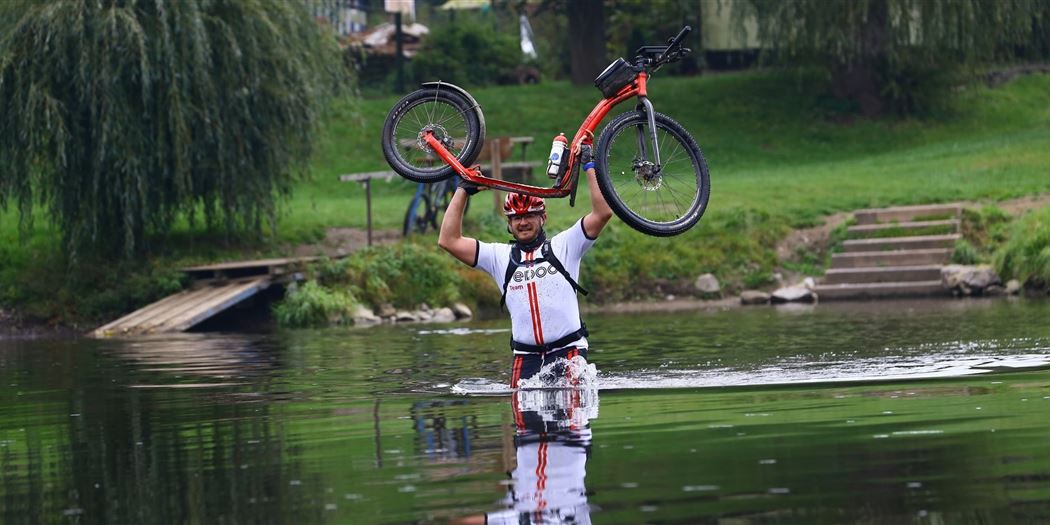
pixel 889 54
pixel 119 116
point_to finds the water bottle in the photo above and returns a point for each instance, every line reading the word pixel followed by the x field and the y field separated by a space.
pixel 561 144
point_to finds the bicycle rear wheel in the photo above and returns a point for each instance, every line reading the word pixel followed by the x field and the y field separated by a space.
pixel 662 200
pixel 452 118
pixel 416 217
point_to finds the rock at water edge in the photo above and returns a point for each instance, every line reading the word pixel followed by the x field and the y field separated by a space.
pixel 443 315
pixel 708 284
pixel 793 294
pixel 754 297
pixel 462 311
pixel 363 316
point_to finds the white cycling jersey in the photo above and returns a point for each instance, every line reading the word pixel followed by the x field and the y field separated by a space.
pixel 542 304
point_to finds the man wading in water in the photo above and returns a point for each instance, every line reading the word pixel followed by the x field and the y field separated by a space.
pixel 538 276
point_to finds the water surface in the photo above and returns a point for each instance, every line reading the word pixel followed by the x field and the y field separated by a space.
pixel 911 412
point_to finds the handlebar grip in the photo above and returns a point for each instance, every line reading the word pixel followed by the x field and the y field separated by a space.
pixel 678 38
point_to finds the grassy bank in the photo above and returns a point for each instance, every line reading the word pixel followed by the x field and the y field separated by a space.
pixel 780 157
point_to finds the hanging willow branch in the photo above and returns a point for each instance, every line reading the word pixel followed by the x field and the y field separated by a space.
pixel 119 116
pixel 883 48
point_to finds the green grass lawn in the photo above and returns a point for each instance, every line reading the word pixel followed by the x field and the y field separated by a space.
pixel 769 144
pixel 779 155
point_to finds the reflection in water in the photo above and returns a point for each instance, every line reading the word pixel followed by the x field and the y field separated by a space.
pixel 213 361
pixel 355 426
pixel 552 443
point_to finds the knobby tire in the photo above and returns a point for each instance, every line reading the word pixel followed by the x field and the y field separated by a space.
pixel 682 191
pixel 443 109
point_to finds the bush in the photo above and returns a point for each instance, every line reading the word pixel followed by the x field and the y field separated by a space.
pixel 471 54
pixel 405 275
pixel 313 305
pixel 986 229
pixel 965 253
pixel 1026 254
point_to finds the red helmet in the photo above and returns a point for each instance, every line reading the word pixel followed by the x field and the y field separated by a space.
pixel 519 204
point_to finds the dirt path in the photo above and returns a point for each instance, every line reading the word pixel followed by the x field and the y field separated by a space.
pixel 343 241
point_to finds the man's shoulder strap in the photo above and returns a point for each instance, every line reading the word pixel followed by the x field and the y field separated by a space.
pixel 548 255
pixel 512 265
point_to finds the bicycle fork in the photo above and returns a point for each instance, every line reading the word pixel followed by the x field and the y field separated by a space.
pixel 650 113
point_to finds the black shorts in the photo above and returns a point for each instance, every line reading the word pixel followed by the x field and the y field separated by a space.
pixel 528 365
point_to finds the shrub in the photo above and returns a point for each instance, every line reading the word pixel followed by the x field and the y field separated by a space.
pixel 986 228
pixel 404 275
pixel 313 305
pixel 1026 254
pixel 965 253
pixel 466 54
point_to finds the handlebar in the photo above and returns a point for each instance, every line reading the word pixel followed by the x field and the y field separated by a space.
pixel 655 56
pixel 678 39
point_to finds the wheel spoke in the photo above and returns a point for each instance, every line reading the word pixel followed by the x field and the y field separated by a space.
pixel 665 198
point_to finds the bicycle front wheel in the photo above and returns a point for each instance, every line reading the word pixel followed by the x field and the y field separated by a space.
pixel 660 200
pixel 452 118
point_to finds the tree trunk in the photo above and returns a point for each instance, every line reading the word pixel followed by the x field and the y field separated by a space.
pixel 860 81
pixel 586 40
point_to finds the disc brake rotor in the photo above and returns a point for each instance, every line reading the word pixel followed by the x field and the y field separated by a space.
pixel 440 133
pixel 648 175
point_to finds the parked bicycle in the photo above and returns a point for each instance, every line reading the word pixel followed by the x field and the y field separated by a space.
pixel 650 169
pixel 426 206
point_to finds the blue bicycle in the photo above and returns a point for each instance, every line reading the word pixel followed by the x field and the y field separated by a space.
pixel 429 202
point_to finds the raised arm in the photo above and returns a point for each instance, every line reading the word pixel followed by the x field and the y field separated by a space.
pixel 595 221
pixel 451 237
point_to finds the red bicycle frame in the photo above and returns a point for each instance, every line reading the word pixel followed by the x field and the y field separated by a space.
pixel 584 135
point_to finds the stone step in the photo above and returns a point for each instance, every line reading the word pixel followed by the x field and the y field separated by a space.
pixel 919 242
pixel 870 230
pixel 827 292
pixel 906 213
pixel 927 272
pixel 891 258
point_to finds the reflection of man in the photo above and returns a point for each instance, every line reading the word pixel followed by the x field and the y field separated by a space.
pixel 552 444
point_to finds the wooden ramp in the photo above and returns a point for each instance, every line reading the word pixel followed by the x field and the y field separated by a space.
pixel 216 288
pixel 180 312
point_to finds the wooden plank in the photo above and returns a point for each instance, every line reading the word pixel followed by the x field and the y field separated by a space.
pixel 905 213
pixel 139 315
pixel 259 263
pixel 183 310
pixel 368 175
pixel 156 312
pixel 230 296
pixel 161 315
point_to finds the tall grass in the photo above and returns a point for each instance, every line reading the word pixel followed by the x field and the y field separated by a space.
pixel 1026 254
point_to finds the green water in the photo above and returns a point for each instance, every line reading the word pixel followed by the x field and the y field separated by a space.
pixel 914 412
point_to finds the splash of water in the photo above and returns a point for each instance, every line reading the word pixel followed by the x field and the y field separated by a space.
pixel 574 373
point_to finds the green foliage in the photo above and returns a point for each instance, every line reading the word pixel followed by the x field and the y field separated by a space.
pixel 631 24
pixel 893 54
pixel 311 305
pixel 737 244
pixel 986 229
pixel 404 275
pixel 467 54
pixel 118 117
pixel 47 289
pixel 1026 254
pixel 965 253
